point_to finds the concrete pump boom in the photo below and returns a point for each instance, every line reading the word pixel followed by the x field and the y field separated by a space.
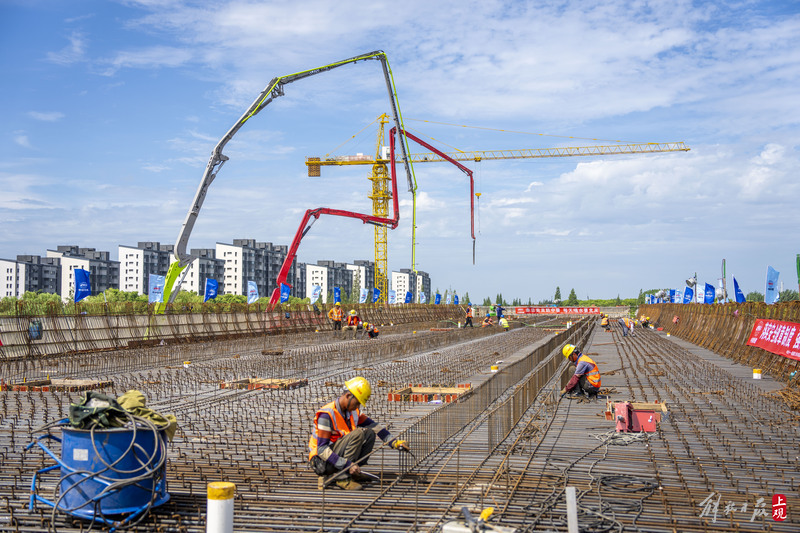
pixel 274 89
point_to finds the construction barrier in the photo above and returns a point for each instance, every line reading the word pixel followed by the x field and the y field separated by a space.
pixel 726 328
pixel 24 336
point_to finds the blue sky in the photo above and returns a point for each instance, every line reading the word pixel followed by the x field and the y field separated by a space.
pixel 111 109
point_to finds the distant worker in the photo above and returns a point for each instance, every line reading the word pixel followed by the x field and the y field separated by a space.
pixel 504 323
pixel 604 323
pixel 353 322
pixel 645 321
pixel 343 436
pixel 586 379
pixel 499 310
pixel 627 326
pixel 335 314
pixel 487 321
pixel 469 316
pixel 372 330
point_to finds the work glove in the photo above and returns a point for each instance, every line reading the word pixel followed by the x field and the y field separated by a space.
pixel 402 445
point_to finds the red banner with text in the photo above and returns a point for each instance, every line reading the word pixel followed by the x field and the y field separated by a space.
pixel 778 337
pixel 557 310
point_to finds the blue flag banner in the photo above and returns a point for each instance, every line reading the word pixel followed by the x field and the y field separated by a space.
pixel 672 295
pixel 83 287
pixel 455 299
pixel 709 295
pixel 688 294
pixel 316 291
pixel 771 293
pixel 392 297
pixel 438 299
pixel 212 286
pixel 156 293
pixel 337 295
pixel 422 298
pixel 252 292
pixel 285 290
pixel 376 294
pixel 362 298
pixel 447 300
pixel 740 299
pixel 408 297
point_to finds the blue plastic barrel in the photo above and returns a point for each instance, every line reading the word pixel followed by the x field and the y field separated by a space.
pixel 92 461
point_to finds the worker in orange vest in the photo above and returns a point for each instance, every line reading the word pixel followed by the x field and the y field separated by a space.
pixel 627 326
pixel 586 379
pixel 469 316
pixel 372 330
pixel 344 436
pixel 604 322
pixel 335 314
pixel 353 322
pixel 487 321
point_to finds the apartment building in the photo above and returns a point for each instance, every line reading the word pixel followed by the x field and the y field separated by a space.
pixel 137 263
pixel 204 266
pixel 423 287
pixel 103 272
pixel 403 281
pixel 249 260
pixel 29 273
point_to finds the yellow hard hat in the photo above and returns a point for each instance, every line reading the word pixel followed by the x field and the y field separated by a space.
pixel 353 312
pixel 337 303
pixel 568 349
pixel 359 387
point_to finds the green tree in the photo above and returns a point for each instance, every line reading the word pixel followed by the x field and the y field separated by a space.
pixel 572 299
pixel 618 301
pixel 557 297
pixel 788 295
pixel 466 298
pixel 640 299
pixel 487 301
pixel 755 296
pixel 498 299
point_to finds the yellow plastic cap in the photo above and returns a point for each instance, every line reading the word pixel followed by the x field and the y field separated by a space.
pixel 221 490
pixel 487 513
pixel 360 388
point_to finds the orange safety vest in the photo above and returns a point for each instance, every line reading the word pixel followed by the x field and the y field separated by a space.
pixel 335 314
pixel 340 428
pixel 469 312
pixel 593 376
pixel 352 320
pixel 604 321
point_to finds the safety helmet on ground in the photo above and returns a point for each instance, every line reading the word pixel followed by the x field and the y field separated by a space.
pixel 360 388
pixel 568 350
pixel 352 312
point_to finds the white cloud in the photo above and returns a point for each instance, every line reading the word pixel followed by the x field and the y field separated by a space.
pixel 147 58
pixel 21 139
pixel 72 53
pixel 49 116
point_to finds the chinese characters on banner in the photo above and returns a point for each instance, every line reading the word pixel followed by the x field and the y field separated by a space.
pixel 778 337
pixel 557 310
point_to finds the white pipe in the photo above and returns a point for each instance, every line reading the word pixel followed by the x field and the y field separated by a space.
pixel 572 510
pixel 219 516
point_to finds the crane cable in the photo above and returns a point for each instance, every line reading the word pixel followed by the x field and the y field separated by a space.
pixel 359 132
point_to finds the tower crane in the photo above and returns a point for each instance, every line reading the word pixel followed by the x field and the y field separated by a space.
pixel 380 179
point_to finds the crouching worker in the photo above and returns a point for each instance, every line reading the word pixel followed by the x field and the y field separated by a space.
pixel 343 436
pixel 586 379
pixel 372 330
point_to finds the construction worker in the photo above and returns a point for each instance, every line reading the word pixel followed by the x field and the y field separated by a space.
pixel 335 314
pixel 353 321
pixel 604 322
pixel 586 379
pixel 504 323
pixel 372 330
pixel 627 326
pixel 469 316
pixel 343 436
pixel 487 321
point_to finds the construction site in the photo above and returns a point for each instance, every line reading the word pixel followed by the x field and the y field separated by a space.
pixel 480 409
pixel 691 430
